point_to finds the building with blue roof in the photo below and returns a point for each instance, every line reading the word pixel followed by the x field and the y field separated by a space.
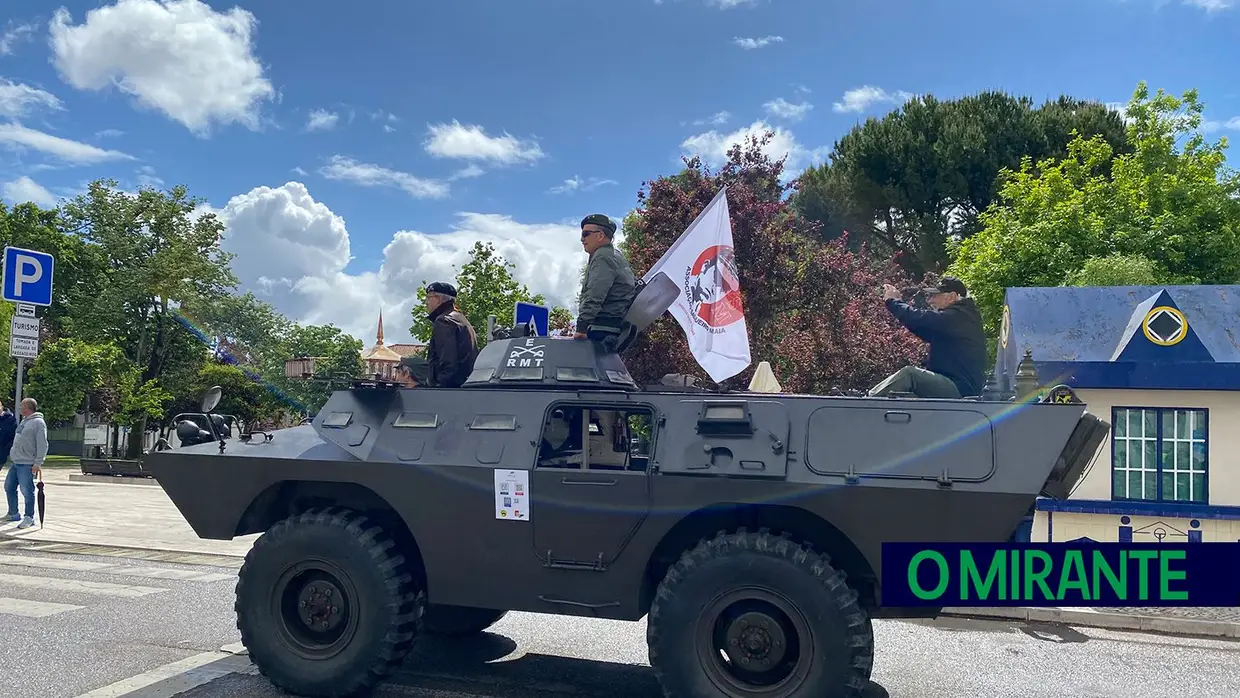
pixel 1162 365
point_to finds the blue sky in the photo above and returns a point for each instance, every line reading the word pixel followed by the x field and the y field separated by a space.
pixel 437 124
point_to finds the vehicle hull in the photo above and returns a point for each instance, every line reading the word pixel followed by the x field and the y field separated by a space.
pixel 933 471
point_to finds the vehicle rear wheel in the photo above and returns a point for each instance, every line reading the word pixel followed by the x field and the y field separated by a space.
pixel 441 619
pixel 326 605
pixel 752 615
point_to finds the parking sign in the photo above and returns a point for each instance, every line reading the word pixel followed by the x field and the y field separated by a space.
pixel 28 276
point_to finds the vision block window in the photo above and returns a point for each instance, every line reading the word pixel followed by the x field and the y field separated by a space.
pixel 494 422
pixel 617 439
pixel 338 419
pixel 416 420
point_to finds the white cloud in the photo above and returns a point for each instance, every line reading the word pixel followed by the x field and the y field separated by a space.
pixel 713 146
pixel 179 57
pixel 24 189
pixel 147 177
pixel 18 137
pixel 15 33
pixel 861 98
pixel 109 133
pixel 783 109
pixel 322 120
pixel 470 142
pixel 1213 125
pixel 729 4
pixel 750 44
pixel 18 99
pixel 575 183
pixel 347 169
pixel 292 251
pixel 1211 5
pixel 468 172
pixel 717 119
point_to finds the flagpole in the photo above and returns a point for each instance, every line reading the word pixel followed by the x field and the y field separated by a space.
pixel 722 192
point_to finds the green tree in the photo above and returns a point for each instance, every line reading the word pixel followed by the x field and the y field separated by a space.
pixel 243 397
pixel 1161 214
pixel 247 330
pixel 919 177
pixel 69 370
pixel 155 256
pixel 485 285
pixel 339 360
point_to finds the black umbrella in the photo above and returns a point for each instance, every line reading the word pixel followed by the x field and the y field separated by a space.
pixel 41 500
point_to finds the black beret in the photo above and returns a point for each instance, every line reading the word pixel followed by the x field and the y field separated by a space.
pixel 600 220
pixel 949 284
pixel 442 287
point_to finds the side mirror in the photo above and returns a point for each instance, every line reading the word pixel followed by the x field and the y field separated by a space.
pixel 212 398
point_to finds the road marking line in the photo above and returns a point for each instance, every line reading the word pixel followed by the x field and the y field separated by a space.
pixel 112 568
pixel 183 575
pixel 32 609
pixel 76 586
pixel 175 677
pixel 53 563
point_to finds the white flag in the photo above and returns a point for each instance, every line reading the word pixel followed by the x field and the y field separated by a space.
pixel 702 263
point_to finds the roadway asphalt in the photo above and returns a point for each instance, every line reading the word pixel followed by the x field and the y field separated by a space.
pixel 117 625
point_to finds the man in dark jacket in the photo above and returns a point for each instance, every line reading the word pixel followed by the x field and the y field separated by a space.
pixel 953 327
pixel 454 345
pixel 8 429
pixel 609 286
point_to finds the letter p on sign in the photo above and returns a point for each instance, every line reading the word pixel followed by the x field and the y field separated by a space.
pixel 28 276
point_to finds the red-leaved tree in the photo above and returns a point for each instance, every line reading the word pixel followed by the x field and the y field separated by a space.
pixel 814 310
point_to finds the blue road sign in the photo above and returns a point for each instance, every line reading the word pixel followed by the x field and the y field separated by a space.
pixel 540 314
pixel 28 276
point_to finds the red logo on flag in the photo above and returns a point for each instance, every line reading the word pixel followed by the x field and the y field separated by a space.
pixel 713 289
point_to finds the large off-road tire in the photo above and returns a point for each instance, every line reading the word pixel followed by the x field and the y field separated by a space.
pixel 326 604
pixel 753 615
pixel 441 619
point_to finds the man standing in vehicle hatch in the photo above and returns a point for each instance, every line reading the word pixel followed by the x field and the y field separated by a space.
pixel 454 345
pixel 953 327
pixel 609 287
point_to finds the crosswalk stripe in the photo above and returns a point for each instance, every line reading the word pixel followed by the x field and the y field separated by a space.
pixel 183 575
pixel 76 586
pixel 110 568
pixel 32 609
pixel 52 563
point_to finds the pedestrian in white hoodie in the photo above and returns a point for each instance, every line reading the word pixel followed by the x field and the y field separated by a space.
pixel 29 450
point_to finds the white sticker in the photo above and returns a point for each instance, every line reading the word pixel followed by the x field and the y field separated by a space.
pixel 512 495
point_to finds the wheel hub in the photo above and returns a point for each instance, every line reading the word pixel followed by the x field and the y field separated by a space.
pixel 318 606
pixel 315 602
pixel 756 641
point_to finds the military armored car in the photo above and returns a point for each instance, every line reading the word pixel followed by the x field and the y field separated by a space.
pixel 745 527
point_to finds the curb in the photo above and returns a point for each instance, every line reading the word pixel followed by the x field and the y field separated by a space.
pixel 113 480
pixel 1089 618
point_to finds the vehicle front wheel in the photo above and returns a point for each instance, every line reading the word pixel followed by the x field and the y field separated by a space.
pixel 441 619
pixel 326 605
pixel 752 615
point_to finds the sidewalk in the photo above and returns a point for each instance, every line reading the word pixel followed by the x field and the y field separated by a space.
pixel 134 515
pixel 122 515
pixel 1221 623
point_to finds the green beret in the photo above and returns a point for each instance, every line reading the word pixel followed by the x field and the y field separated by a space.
pixel 600 220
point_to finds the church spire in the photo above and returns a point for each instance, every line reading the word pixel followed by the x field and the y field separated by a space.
pixel 379 336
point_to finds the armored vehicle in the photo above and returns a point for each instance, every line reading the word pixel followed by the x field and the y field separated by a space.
pixel 745 527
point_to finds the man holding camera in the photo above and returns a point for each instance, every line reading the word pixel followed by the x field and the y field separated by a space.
pixel 953 327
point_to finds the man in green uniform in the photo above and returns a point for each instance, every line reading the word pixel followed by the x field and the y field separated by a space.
pixel 609 286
